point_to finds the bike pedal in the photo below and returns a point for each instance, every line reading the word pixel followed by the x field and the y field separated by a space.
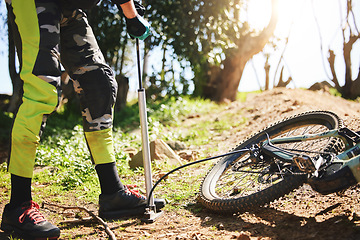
pixel 304 164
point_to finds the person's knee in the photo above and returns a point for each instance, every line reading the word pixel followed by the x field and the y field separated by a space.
pixel 41 92
pixel 97 89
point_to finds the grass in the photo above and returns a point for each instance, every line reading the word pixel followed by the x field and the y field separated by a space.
pixel 64 151
pixel 64 170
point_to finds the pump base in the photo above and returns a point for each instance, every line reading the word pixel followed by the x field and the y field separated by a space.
pixel 151 216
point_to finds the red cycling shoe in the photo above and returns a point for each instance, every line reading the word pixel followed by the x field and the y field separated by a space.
pixel 26 221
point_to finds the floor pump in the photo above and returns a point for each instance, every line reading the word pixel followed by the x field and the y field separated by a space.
pixel 151 213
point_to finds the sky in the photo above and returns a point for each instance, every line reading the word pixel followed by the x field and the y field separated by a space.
pixel 303 56
pixel 5 82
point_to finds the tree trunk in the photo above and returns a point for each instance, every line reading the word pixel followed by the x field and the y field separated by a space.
pixel 348 90
pixel 123 90
pixel 267 73
pixel 351 88
pixel 331 60
pixel 224 85
pixel 122 81
pixel 356 86
pixel 163 63
pixel 122 56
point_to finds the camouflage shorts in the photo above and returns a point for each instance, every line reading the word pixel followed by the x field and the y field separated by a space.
pixel 67 38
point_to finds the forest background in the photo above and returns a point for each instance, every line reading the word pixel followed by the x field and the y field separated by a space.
pixel 201 53
pixel 214 48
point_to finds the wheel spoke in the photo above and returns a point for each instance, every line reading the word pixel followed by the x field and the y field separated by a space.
pixel 240 181
pixel 234 178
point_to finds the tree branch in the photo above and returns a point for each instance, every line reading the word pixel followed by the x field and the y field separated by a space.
pixel 331 60
pixel 93 216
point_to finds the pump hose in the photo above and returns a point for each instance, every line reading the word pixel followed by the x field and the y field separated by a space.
pixel 189 164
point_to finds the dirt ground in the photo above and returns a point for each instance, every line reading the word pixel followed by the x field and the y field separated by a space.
pixel 303 214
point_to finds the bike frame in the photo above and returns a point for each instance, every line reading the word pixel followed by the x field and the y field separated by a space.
pixel 352 152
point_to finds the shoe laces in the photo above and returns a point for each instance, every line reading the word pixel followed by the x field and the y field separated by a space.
pixel 130 190
pixel 32 211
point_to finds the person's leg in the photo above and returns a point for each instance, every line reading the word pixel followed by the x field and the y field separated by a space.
pixel 95 84
pixel 96 87
pixel 41 78
pixel 36 27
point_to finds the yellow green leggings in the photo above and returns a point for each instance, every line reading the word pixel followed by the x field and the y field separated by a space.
pixel 45 36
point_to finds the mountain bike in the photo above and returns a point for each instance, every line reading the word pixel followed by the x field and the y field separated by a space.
pixel 306 148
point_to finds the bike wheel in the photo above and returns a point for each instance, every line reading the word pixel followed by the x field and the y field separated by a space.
pixel 239 183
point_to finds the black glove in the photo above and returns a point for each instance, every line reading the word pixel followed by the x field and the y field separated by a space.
pixel 138 27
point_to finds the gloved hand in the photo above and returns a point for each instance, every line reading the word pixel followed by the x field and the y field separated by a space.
pixel 138 27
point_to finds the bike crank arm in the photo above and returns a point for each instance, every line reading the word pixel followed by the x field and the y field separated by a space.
pixel 303 162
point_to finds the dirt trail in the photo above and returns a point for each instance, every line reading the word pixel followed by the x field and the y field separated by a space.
pixel 304 214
